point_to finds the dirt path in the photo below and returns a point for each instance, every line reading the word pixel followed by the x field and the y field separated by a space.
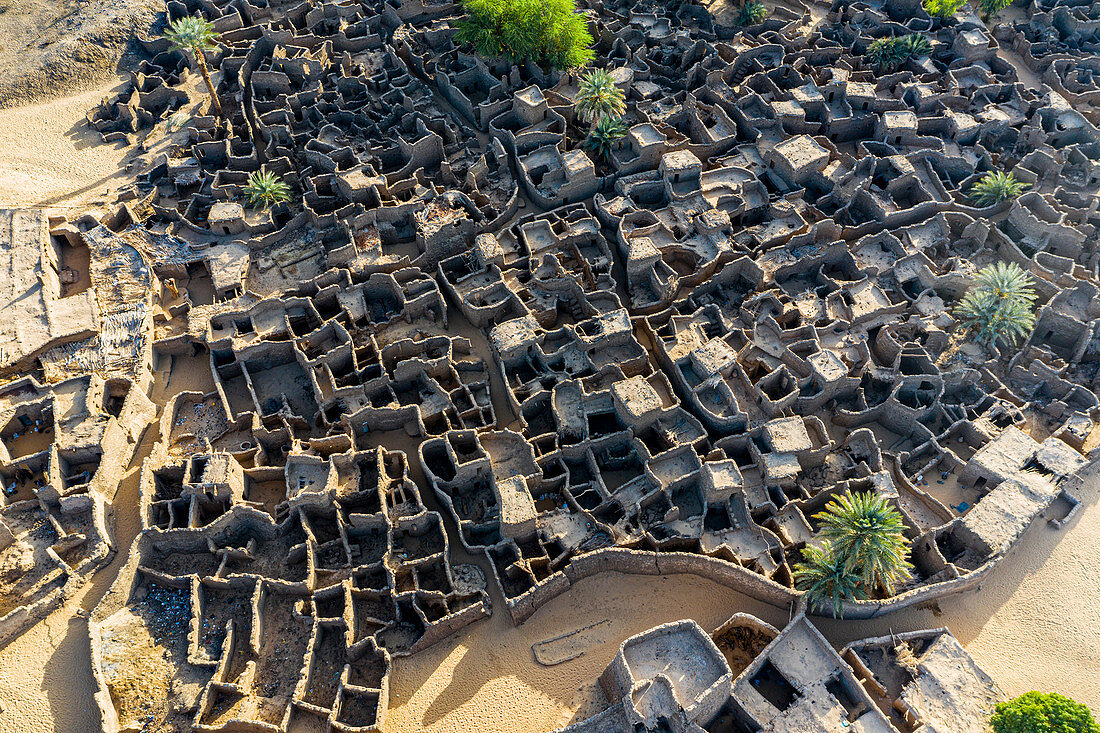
pixel 50 157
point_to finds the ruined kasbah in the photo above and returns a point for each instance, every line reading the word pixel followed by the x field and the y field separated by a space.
pixel 591 366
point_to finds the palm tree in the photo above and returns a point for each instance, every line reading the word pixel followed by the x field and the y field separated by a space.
pixel 826 577
pixel 995 187
pixel 599 97
pixel 916 45
pixel 887 53
pixel 196 35
pixel 604 134
pixel 265 189
pixel 751 12
pixel 868 535
pixel 999 305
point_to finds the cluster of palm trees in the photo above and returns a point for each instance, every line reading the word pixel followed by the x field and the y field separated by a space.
pixel 601 104
pixel 1000 304
pixel 887 54
pixel 863 550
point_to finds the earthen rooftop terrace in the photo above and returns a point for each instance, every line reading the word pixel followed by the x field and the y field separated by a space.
pixel 469 361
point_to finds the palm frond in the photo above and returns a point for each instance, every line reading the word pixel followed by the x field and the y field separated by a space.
pixel 992 8
pixel 1000 304
pixel 603 136
pixel 191 33
pixel 265 189
pixel 995 187
pixel 869 534
pixel 886 53
pixel 751 12
pixel 916 45
pixel 826 577
pixel 598 97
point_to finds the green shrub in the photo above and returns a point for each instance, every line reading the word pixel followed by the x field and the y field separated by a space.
pixel 1040 712
pixel 547 32
pixel 751 13
pixel 999 304
pixel 992 8
pixel 943 9
pixel 265 189
pixel 599 97
pixel 995 187
pixel 888 54
pixel 603 136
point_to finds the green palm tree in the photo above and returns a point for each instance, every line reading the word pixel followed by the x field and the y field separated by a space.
pixel 599 97
pixel 995 187
pixel 603 135
pixel 196 35
pixel 826 578
pixel 751 12
pixel 916 45
pixel 887 53
pixel 265 189
pixel 869 536
pixel 999 305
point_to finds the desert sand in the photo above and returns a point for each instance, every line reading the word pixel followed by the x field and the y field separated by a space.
pixel 57 47
pixel 50 157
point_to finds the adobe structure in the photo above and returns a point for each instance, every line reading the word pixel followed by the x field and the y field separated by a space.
pixel 470 360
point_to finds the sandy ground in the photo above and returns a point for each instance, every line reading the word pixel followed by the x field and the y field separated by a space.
pixel 50 157
pixel 47 684
pixel 486 679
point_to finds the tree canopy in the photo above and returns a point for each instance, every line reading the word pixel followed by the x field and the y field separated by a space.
pixel 1041 712
pixel 547 32
pixel 1000 304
